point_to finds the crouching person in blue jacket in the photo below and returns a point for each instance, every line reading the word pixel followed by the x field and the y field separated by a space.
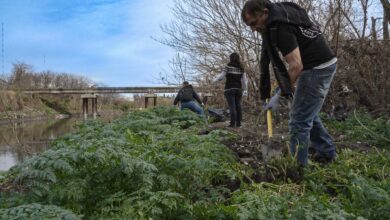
pixel 188 99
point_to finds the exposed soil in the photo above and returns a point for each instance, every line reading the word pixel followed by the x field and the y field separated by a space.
pixel 11 186
pixel 254 148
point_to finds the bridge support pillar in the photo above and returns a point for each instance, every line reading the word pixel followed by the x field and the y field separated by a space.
pixel 148 96
pixel 94 107
pixel 85 108
pixel 85 99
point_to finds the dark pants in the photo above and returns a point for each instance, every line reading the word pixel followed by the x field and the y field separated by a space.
pixel 233 97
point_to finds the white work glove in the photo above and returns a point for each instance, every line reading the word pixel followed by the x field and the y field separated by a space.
pixel 245 93
pixel 273 103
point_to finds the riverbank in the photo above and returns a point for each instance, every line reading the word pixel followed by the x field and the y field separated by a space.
pixel 16 106
pixel 25 117
pixel 17 117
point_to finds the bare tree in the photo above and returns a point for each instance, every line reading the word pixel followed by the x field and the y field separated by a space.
pixel 364 58
pixel 207 31
pixel 179 71
pixel 21 77
pixel 47 79
pixel 386 18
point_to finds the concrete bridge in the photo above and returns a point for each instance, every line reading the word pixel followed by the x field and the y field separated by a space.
pixel 92 94
pixel 105 90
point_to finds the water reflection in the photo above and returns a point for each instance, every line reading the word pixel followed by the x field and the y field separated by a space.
pixel 23 139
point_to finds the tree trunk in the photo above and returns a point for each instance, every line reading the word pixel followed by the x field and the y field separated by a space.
pixel 386 18
pixel 374 34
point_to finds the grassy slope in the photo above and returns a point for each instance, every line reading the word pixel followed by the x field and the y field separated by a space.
pixel 153 165
pixel 15 105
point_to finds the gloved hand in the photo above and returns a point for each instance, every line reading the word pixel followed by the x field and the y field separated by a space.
pixel 245 93
pixel 273 103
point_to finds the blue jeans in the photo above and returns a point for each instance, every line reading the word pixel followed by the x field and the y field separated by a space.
pixel 305 125
pixel 233 97
pixel 193 106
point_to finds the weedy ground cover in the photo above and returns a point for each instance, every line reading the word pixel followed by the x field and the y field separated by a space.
pixel 153 165
pixel 361 127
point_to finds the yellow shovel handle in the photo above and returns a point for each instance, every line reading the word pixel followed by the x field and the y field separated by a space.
pixel 269 122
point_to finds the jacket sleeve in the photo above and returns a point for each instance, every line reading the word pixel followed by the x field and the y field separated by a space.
pixel 220 77
pixel 265 80
pixel 244 82
pixel 177 98
pixel 196 97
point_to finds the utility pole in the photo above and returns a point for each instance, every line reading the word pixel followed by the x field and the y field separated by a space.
pixel 2 48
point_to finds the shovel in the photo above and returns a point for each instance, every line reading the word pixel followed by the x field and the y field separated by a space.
pixel 274 102
pixel 268 146
pixel 265 148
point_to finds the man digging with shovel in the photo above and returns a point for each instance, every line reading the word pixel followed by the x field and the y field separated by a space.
pixel 287 29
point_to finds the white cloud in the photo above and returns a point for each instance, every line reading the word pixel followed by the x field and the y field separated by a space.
pixel 109 42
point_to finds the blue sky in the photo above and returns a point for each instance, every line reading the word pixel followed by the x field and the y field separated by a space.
pixel 108 41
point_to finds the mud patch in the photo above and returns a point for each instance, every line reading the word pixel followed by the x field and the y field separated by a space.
pixel 253 148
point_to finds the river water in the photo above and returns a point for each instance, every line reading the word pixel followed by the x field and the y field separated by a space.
pixel 23 139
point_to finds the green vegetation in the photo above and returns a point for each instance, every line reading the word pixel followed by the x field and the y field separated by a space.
pixel 363 127
pixel 37 211
pixel 153 165
pixel 55 106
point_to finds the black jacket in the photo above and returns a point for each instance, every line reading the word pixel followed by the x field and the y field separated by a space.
pixel 285 12
pixel 179 96
pixel 233 77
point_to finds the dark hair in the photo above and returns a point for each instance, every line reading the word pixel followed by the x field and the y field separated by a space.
pixel 235 61
pixel 253 8
pixel 186 83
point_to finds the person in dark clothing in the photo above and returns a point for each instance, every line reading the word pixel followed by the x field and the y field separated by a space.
pixel 187 97
pixel 287 29
pixel 235 87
